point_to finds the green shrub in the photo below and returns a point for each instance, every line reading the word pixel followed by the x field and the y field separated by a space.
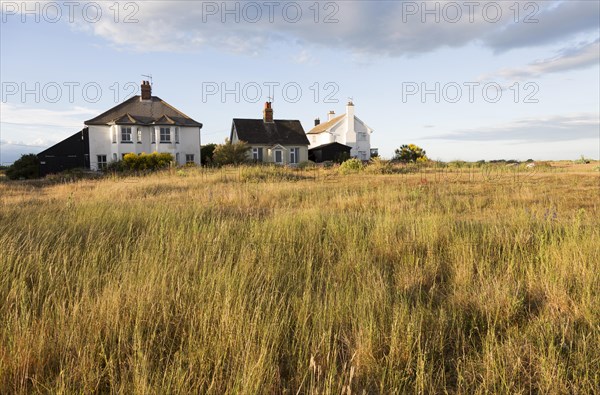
pixel 379 166
pixel 26 167
pixel 143 161
pixel 307 164
pixel 353 165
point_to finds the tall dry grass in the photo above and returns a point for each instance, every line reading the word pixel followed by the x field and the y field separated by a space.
pixel 258 281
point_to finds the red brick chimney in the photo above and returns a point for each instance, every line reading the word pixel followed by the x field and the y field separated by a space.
pixel 268 113
pixel 146 90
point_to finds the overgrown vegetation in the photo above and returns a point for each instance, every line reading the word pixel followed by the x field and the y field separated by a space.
pixel 228 282
pixel 25 168
pixel 231 153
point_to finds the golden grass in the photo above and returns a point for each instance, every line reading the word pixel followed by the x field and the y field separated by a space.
pixel 231 282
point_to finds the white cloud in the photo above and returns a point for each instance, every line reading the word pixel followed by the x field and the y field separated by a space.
pixel 577 57
pixel 533 130
pixel 374 27
pixel 35 117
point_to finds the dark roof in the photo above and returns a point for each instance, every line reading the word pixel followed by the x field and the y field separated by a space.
pixel 256 131
pixel 135 111
pixel 334 144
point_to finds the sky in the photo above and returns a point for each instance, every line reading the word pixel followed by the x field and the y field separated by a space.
pixel 466 80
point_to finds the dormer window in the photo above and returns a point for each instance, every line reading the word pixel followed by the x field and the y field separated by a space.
pixel 126 135
pixel 165 135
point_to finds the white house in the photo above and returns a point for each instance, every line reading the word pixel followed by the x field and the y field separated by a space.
pixel 143 123
pixel 346 129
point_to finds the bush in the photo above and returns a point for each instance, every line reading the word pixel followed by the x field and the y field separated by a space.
pixel 379 166
pixel 582 161
pixel 353 165
pixel 206 153
pixel 231 154
pixel 410 154
pixel 307 164
pixel 143 161
pixel 26 167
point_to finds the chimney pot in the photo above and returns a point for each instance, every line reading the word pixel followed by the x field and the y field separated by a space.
pixel 268 113
pixel 146 90
pixel 317 122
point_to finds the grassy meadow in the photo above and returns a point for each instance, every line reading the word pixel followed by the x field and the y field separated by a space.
pixel 255 281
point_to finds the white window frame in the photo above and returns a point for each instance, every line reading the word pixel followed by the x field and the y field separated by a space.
pixel 114 135
pixel 139 136
pixel 165 132
pixel 294 155
pixel 189 158
pixel 126 134
pixel 153 141
pixel 102 163
pixel 177 158
pixel 256 154
pixel 177 135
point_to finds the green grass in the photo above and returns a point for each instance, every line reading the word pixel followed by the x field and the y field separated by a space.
pixel 243 282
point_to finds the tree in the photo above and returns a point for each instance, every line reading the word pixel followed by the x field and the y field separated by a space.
pixel 27 167
pixel 206 153
pixel 230 153
pixel 410 154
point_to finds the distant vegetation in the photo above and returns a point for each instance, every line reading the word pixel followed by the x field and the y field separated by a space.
pixel 266 280
pixel 25 168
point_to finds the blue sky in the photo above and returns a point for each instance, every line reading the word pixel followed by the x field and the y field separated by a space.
pixel 372 51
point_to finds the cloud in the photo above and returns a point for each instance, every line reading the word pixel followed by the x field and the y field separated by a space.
pixel 577 57
pixel 550 129
pixel 400 28
pixel 36 117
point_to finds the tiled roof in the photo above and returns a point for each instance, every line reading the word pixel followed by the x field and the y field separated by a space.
pixel 325 126
pixel 256 131
pixel 143 112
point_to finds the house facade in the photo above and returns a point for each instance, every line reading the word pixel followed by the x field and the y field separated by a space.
pixel 143 123
pixel 282 142
pixel 346 129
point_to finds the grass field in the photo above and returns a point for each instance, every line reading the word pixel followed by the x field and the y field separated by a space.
pixel 249 281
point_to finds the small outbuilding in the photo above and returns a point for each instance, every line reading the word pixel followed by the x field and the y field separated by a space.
pixel 329 152
pixel 71 153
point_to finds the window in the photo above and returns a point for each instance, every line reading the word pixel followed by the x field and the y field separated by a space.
pixel 165 135
pixel 278 157
pixel 361 137
pixel 126 135
pixel 294 154
pixel 189 158
pixel 114 136
pixel 153 133
pixel 177 158
pixel 257 154
pixel 139 136
pixel 177 135
pixel 115 157
pixel 101 162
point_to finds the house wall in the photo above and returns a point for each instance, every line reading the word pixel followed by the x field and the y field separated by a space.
pixel 101 143
pixel 269 153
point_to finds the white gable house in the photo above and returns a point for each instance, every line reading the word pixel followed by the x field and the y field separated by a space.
pixel 143 123
pixel 346 129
